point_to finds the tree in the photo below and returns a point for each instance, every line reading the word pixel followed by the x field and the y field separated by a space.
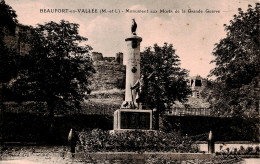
pixel 8 18
pixel 237 66
pixel 57 69
pixel 8 57
pixel 168 81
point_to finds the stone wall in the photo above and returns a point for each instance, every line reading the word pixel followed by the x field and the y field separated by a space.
pixel 110 72
pixel 19 40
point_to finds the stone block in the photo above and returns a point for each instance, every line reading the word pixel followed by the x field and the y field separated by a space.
pixel 132 119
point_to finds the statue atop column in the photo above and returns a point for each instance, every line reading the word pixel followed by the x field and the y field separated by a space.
pixel 134 27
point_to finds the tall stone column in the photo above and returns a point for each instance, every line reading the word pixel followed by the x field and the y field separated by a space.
pixel 127 117
pixel 132 69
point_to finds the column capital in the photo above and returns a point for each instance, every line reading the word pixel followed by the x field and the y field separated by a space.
pixel 133 37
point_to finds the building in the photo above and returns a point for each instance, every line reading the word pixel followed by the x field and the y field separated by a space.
pixel 197 83
pixel 195 105
pixel 19 40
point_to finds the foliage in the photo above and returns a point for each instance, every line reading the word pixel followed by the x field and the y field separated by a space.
pixel 237 66
pixel 168 82
pixel 135 141
pixel 8 18
pixel 8 57
pixel 196 126
pixel 57 69
pixel 242 151
pixel 217 159
pixel 9 63
pixel 31 127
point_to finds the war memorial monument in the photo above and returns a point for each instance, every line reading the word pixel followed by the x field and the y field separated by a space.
pixel 131 116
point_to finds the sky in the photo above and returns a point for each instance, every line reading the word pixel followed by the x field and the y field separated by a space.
pixel 193 35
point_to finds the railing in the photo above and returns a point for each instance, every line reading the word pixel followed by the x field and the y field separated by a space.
pixel 99 109
pixel 40 109
pixel 190 111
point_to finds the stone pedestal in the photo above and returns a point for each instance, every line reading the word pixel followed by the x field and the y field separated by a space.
pixel 129 119
pixel 132 60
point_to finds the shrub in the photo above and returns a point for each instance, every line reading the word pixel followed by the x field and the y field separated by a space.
pixel 235 151
pixel 249 150
pixel 242 151
pixel 135 141
pixel 217 159
pixel 227 150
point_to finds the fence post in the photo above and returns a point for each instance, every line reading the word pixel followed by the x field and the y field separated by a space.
pixel 72 142
pixel 211 143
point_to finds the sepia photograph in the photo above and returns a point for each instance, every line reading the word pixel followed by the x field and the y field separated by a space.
pixel 129 82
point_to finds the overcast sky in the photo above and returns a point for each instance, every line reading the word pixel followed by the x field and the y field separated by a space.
pixel 193 35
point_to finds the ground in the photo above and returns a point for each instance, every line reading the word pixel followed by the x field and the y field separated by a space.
pixel 61 155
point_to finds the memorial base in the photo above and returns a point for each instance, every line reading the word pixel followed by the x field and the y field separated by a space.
pixel 132 119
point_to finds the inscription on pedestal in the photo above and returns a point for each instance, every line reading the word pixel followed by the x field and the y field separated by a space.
pixel 132 119
pixel 135 120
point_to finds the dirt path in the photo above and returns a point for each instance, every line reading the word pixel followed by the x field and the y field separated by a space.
pixel 35 154
pixel 61 155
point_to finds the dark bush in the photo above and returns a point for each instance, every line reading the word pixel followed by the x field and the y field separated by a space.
pixel 224 128
pixel 135 141
pixel 235 151
pixel 217 159
pixel 249 150
pixel 242 151
pixel 27 127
